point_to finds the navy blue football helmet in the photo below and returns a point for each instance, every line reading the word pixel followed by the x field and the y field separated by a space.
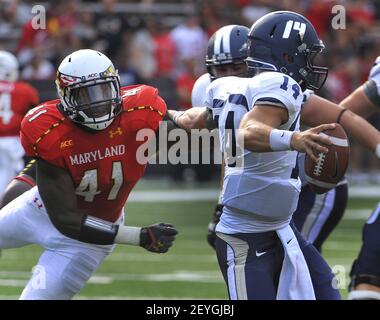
pixel 287 42
pixel 228 45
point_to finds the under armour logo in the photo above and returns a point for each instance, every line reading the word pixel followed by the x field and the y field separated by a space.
pixel 114 133
pixel 39 204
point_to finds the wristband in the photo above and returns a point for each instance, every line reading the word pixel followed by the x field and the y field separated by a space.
pixel 279 140
pixel 340 115
pixel 128 235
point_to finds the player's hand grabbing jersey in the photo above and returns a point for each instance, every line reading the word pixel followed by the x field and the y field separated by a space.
pixel 16 98
pixel 102 164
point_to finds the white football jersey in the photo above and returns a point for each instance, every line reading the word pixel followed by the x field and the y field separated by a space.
pixel 198 93
pixel 260 195
pixel 374 74
pixel 372 86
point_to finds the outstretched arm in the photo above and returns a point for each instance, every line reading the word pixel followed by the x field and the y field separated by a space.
pixel 359 102
pixel 194 118
pixel 58 194
pixel 318 110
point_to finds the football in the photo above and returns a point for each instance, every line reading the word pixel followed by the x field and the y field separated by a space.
pixel 330 168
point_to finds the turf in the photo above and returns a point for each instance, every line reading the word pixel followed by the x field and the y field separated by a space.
pixel 189 270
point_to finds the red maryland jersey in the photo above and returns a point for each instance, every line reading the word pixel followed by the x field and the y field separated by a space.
pixel 102 163
pixel 16 98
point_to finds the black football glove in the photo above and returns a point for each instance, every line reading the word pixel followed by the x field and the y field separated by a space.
pixel 158 237
pixel 211 235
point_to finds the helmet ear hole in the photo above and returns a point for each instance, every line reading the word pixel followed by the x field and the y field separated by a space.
pixel 288 58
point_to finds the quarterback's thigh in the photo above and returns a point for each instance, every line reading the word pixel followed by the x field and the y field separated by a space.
pixel 60 277
pixel 250 268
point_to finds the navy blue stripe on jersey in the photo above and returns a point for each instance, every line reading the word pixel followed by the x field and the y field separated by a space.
pixel 216 119
pixel 294 124
pixel 370 89
pixel 218 103
pixel 269 100
pixel 239 100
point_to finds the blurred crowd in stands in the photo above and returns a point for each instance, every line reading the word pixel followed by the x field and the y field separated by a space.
pixel 163 42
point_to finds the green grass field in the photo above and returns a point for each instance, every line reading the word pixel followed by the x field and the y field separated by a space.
pixel 189 270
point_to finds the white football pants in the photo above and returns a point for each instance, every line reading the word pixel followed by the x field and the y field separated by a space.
pixel 11 161
pixel 66 264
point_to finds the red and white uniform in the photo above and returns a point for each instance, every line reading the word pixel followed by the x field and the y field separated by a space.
pixel 104 170
pixel 16 98
pixel 103 163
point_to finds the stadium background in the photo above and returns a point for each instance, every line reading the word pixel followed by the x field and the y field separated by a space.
pixel 162 43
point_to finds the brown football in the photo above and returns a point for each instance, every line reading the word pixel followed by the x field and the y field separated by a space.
pixel 330 168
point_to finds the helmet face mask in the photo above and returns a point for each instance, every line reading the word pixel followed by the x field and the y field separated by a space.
pixel 94 102
pixel 315 76
pixel 90 94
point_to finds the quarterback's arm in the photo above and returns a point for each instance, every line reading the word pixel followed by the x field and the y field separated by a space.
pixel 58 194
pixel 318 110
pixel 259 134
pixel 194 118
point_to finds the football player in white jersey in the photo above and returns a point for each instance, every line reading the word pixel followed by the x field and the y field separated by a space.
pixel 226 54
pixel 365 272
pixel 260 253
pixel 316 215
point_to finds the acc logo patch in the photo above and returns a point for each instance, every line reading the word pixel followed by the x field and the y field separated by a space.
pixel 66 144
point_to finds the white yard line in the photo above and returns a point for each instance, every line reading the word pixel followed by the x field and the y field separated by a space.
pixel 130 257
pixel 174 195
pixel 104 278
pixel 81 297
pixel 212 194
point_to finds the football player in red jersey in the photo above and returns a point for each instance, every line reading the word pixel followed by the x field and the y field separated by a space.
pixel 16 98
pixel 85 145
